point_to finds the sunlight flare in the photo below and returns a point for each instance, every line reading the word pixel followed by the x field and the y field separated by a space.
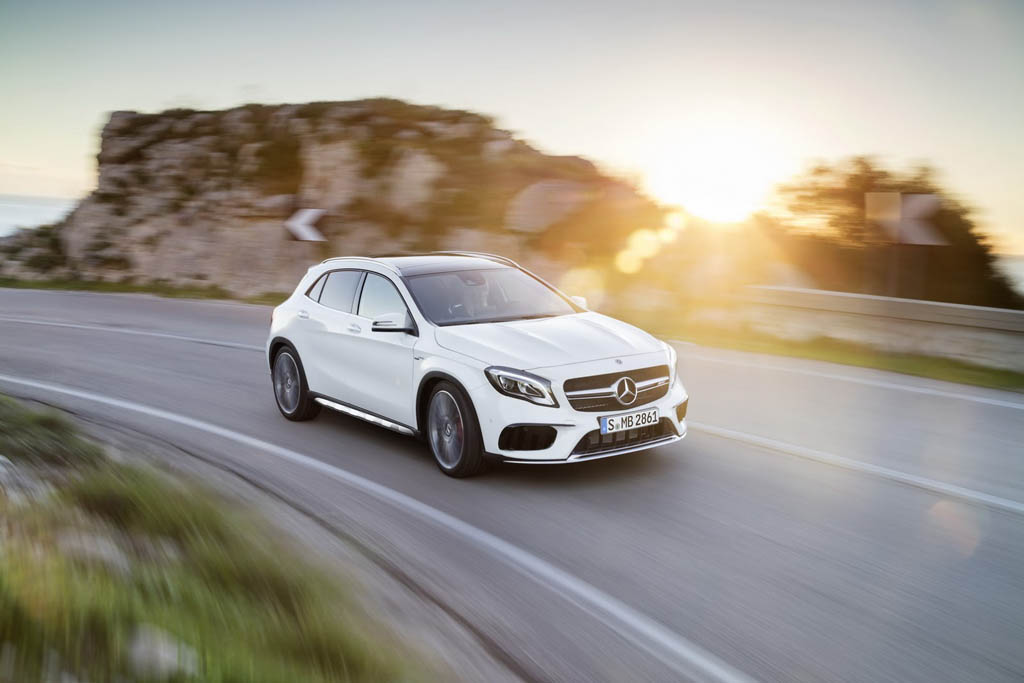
pixel 724 174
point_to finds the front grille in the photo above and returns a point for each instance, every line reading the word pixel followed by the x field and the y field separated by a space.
pixel 595 442
pixel 596 393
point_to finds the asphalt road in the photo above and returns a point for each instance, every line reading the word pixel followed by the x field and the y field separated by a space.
pixel 819 523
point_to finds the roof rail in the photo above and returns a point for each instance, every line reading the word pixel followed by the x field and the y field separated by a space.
pixel 361 258
pixel 478 254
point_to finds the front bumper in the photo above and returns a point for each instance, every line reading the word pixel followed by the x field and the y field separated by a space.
pixel 496 412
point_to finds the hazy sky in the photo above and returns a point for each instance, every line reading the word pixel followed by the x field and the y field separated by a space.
pixel 710 102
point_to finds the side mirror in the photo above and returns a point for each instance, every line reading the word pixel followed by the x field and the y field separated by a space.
pixel 580 301
pixel 394 322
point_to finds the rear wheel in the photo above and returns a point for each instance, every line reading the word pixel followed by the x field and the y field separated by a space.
pixel 454 433
pixel 290 388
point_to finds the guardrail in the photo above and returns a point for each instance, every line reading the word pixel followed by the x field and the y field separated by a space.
pixel 976 334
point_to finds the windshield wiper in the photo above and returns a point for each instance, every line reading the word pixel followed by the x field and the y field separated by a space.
pixel 536 316
pixel 508 319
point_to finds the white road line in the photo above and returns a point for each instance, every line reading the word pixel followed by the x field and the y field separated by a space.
pixel 858 380
pixel 760 366
pixel 135 295
pixel 126 330
pixel 942 488
pixel 675 651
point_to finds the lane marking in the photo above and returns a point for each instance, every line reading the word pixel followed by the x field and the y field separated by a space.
pixel 134 295
pixel 128 330
pixel 672 649
pixel 932 485
pixel 760 366
pixel 867 382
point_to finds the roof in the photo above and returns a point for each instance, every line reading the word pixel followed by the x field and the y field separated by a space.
pixel 435 263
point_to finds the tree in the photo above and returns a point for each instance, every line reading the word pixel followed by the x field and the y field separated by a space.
pixel 825 230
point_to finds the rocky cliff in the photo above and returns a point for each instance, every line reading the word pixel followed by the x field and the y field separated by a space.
pixel 198 198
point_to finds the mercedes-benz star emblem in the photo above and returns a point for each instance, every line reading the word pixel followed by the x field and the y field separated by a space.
pixel 625 391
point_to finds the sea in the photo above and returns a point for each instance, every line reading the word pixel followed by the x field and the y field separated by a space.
pixel 17 211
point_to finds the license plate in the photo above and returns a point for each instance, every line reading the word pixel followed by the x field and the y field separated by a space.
pixel 618 423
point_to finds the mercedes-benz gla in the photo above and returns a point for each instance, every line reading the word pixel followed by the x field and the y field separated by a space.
pixel 479 357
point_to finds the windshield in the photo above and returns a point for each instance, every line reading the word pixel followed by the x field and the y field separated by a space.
pixel 485 296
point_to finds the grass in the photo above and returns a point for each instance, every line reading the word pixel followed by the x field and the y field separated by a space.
pixel 250 608
pixel 848 353
pixel 42 438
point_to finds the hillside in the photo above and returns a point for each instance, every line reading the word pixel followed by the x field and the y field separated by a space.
pixel 197 198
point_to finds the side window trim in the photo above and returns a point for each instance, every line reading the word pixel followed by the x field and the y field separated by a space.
pixel 358 294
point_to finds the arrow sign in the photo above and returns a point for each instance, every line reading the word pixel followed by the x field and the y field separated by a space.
pixel 300 225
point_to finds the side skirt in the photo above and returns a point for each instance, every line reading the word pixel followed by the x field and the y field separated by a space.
pixel 363 415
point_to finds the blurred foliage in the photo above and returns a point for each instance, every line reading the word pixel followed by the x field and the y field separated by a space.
pixel 204 572
pixel 40 249
pixel 279 169
pixel 826 234
pixel 42 438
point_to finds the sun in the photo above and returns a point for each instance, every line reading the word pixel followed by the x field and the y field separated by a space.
pixel 719 175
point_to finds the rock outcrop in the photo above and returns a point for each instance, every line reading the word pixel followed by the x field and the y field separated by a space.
pixel 194 198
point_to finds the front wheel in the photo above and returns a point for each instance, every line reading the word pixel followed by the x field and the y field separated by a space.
pixel 290 388
pixel 454 433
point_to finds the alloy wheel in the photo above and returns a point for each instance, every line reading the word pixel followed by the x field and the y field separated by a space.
pixel 286 382
pixel 446 429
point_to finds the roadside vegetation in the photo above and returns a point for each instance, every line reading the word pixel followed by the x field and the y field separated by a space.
pixel 847 353
pixel 112 571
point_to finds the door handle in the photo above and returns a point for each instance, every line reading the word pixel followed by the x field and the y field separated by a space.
pixel 355 328
pixel 304 315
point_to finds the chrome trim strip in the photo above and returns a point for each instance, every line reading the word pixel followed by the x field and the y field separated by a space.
pixel 597 456
pixel 477 254
pixel 363 258
pixel 373 419
pixel 590 393
pixel 627 449
pixel 646 385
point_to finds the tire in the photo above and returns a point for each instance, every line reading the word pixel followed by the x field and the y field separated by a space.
pixel 291 392
pixel 453 432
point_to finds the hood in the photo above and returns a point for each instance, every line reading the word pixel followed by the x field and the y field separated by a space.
pixel 546 342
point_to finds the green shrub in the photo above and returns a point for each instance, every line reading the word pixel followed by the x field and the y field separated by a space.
pixel 42 438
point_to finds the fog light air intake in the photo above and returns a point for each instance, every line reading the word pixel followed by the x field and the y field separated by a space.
pixel 526 438
pixel 681 410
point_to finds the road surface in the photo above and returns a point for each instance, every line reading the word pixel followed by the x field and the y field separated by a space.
pixel 819 523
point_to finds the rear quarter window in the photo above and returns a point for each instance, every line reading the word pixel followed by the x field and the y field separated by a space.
pixel 318 286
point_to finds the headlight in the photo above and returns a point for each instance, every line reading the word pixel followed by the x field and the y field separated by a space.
pixel 672 357
pixel 522 385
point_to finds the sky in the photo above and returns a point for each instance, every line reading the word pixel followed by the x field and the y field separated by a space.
pixel 709 104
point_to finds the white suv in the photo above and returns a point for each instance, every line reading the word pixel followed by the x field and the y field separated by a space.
pixel 479 356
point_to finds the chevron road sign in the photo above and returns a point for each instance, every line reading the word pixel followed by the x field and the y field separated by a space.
pixel 300 225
